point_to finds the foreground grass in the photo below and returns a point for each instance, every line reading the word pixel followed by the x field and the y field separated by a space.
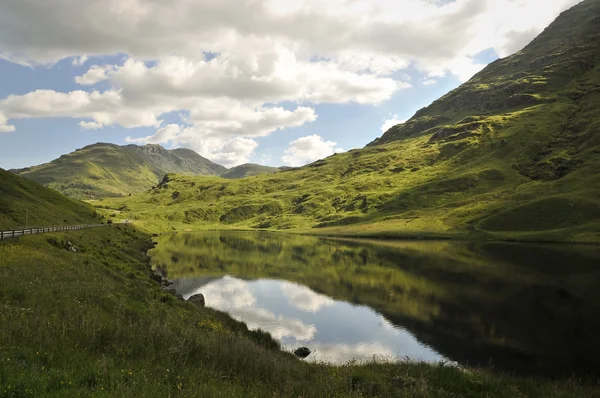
pixel 93 323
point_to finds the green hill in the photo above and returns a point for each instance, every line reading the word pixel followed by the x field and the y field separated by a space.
pixel 21 199
pixel 108 170
pixel 513 153
pixel 249 170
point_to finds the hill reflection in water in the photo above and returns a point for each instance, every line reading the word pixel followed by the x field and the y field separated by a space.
pixel 530 309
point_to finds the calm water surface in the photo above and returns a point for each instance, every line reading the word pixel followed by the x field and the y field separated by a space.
pixel 532 309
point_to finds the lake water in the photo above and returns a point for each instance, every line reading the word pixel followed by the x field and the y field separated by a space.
pixel 530 309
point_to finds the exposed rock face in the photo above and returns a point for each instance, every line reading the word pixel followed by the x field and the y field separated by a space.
pixel 197 299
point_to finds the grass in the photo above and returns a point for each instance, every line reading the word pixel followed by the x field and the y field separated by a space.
pixel 249 170
pixel 93 323
pixel 23 201
pixel 107 170
pixel 476 187
pixel 511 154
pixel 516 303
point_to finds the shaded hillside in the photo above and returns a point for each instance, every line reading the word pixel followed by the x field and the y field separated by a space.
pixel 46 207
pixel 482 304
pixel 514 153
pixel 555 72
pixel 108 170
pixel 248 170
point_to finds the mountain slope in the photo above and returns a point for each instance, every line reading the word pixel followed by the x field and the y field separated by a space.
pixel 513 153
pixel 248 170
pixel 22 200
pixel 105 170
pixel 559 67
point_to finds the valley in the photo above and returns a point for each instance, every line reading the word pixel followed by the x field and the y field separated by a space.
pixel 454 256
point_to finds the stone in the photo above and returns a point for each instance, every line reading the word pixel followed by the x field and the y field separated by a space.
pixel 197 299
pixel 302 352
pixel 71 247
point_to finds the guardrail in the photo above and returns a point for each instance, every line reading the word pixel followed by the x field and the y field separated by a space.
pixel 34 231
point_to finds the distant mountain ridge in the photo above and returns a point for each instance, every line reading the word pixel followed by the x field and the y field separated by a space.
pixel 514 153
pixel 108 170
pixel 249 170
pixel 104 170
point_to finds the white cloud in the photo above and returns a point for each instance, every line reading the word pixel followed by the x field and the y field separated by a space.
pixel 389 123
pixel 226 293
pixel 429 82
pixel 224 131
pixel 352 51
pixel 277 326
pixel 4 127
pixel 308 149
pixel 79 61
pixel 387 33
pixel 94 75
pixel 90 125
pixel 305 299
pixel 104 108
pixel 234 296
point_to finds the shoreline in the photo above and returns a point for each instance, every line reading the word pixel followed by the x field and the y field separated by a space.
pixel 393 236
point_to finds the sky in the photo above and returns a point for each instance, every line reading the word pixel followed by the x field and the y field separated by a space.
pixel 275 82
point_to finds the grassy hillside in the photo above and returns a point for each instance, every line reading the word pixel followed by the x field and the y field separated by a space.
pixel 95 323
pixel 46 207
pixel 248 170
pixel 506 306
pixel 108 170
pixel 513 153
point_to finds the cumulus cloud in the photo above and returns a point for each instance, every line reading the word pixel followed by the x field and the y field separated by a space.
pixel 277 326
pixel 308 149
pixel 4 126
pixel 226 293
pixel 305 299
pixel 378 30
pixel 389 123
pixel 223 131
pixel 429 82
pixel 234 296
pixel 104 108
pixel 94 75
pixel 261 53
pixel 90 125
pixel 79 61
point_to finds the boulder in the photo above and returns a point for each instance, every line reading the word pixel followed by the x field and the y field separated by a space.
pixel 197 299
pixel 302 352
pixel 71 247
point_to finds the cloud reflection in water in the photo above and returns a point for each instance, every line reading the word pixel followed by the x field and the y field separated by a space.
pixel 335 331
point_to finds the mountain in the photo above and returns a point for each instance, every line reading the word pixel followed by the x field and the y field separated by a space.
pixel 555 72
pixel 248 170
pixel 514 153
pixel 108 170
pixel 23 201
